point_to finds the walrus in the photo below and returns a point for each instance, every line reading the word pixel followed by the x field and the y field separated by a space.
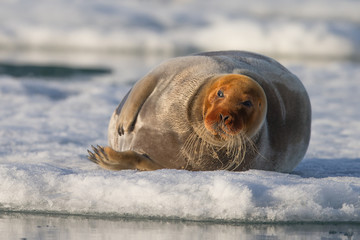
pixel 225 110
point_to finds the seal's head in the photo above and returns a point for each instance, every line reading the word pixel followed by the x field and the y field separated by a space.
pixel 234 103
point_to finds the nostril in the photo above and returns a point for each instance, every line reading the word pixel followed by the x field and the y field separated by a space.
pixel 224 118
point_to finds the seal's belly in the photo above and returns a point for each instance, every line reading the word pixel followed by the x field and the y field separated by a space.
pixel 162 146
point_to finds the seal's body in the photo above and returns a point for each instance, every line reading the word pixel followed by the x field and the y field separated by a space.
pixel 218 110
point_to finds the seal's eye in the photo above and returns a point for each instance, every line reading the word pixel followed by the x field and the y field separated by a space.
pixel 247 103
pixel 220 94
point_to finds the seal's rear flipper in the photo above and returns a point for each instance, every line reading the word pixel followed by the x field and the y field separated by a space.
pixel 110 159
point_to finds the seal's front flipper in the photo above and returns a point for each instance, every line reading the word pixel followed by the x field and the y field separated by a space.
pixel 110 159
pixel 129 109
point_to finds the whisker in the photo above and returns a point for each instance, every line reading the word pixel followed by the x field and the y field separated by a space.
pixel 231 154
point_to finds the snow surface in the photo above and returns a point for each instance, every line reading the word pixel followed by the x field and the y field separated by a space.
pixel 46 124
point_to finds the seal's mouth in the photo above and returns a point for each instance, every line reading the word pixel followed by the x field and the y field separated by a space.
pixel 223 131
pixel 223 135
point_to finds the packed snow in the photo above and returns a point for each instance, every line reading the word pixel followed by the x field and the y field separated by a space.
pixel 47 123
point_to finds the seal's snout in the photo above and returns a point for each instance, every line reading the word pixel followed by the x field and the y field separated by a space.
pixel 227 121
pixel 225 124
pixel 224 118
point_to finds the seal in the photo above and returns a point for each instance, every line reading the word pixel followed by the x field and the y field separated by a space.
pixel 227 110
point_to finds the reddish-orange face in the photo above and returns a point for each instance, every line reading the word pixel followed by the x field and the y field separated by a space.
pixel 234 103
